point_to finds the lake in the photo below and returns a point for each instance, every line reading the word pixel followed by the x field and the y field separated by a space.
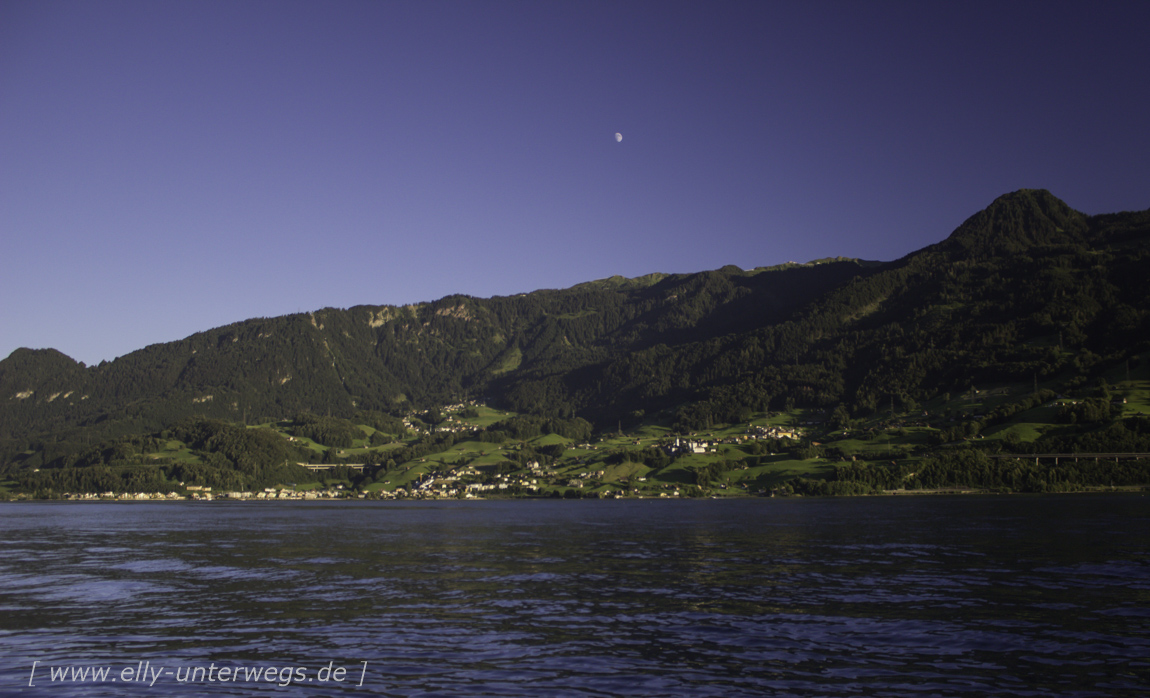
pixel 885 596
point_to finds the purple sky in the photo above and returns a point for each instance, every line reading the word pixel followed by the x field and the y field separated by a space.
pixel 169 167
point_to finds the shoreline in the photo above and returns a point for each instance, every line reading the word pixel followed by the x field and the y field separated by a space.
pixel 944 491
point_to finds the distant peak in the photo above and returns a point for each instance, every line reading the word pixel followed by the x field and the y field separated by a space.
pixel 25 368
pixel 25 354
pixel 1016 221
pixel 1040 198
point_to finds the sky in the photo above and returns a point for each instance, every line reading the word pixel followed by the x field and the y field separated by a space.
pixel 170 167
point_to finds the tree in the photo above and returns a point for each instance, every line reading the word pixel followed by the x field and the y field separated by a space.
pixel 840 418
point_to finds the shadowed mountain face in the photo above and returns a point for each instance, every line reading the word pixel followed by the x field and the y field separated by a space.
pixel 1028 287
pixel 1017 222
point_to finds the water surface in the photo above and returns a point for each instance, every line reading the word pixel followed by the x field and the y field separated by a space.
pixel 1007 596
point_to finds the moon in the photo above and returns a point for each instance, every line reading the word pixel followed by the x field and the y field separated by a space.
pixel 618 138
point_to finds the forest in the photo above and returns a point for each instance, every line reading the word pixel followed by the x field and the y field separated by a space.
pixel 1026 292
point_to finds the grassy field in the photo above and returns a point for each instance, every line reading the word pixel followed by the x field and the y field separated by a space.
pixel 486 416
pixel 178 452
pixel 510 361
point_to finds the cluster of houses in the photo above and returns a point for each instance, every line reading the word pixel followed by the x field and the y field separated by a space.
pixel 337 492
pixel 773 432
pixel 205 494
pixel 123 496
pixel 439 486
pixel 754 433
pixel 450 422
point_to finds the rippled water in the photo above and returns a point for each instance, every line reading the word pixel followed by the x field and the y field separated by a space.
pixel 1009 596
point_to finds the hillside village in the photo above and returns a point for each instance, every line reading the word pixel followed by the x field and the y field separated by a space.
pixel 470 450
pixel 471 468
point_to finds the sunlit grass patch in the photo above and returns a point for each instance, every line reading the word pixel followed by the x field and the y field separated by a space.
pixel 486 416
pixel 549 440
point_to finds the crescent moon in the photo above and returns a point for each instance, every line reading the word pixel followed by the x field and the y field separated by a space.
pixel 618 138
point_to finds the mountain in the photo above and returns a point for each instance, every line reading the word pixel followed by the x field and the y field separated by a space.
pixel 378 357
pixel 1027 289
pixel 1015 223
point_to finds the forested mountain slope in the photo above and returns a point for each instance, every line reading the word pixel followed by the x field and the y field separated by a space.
pixel 383 357
pixel 1028 289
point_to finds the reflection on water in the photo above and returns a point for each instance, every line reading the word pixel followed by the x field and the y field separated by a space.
pixel 891 596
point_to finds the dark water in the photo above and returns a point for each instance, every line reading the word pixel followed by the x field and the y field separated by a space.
pixel 1005 596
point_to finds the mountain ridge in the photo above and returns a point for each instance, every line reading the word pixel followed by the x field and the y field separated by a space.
pixel 987 302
